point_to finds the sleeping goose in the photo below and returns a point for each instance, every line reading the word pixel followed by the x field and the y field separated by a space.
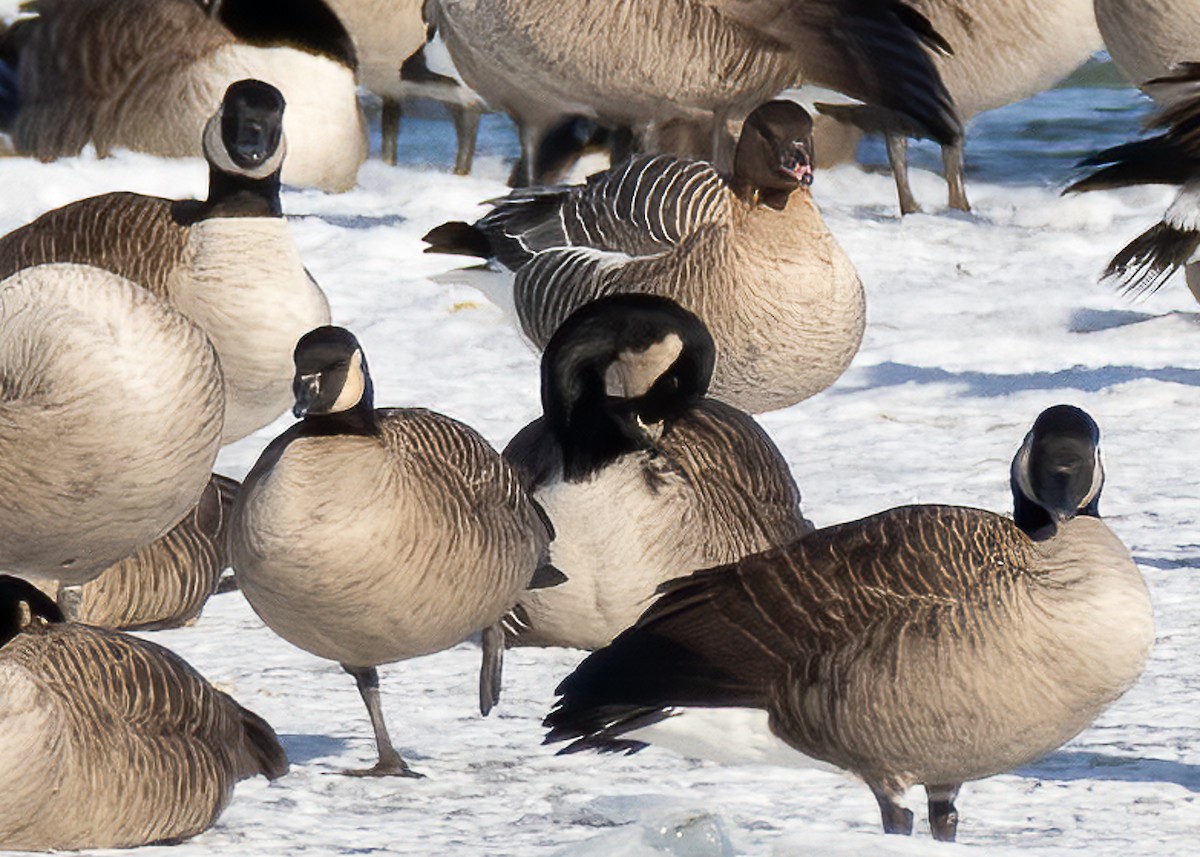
pixel 1004 51
pixel 697 62
pixel 748 253
pixel 372 536
pixel 147 74
pixel 923 645
pixel 1148 38
pixel 1171 158
pixel 110 741
pixel 110 419
pixel 166 583
pixel 228 262
pixel 643 478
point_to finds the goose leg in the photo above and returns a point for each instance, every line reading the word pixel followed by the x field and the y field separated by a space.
pixel 389 131
pixel 897 149
pixel 896 819
pixel 466 129
pixel 493 664
pixel 1192 272
pixel 943 817
pixel 390 764
pixel 954 167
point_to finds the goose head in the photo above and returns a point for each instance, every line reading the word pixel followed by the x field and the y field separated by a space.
pixel 332 383
pixel 13 593
pixel 617 372
pixel 1057 473
pixel 244 138
pixel 774 153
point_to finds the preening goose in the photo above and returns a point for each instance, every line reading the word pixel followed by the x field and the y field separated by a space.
pixel 110 741
pixel 1171 158
pixel 1148 38
pixel 702 62
pixel 1004 51
pixel 147 74
pixel 166 583
pixel 110 419
pixel 643 478
pixel 228 262
pixel 923 645
pixel 372 536
pixel 748 253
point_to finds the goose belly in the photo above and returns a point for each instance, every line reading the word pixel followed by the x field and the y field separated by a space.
pixel 343 556
pixel 247 287
pixel 616 539
pixel 1147 39
pixel 109 420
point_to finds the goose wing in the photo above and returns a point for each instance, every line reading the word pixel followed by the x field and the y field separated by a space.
pixel 874 50
pixel 732 636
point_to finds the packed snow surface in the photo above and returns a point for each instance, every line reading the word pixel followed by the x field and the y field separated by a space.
pixel 976 323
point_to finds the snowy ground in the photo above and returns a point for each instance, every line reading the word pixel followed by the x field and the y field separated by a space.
pixel 976 323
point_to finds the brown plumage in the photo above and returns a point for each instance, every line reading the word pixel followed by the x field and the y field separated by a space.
pixel 111 741
pixel 166 583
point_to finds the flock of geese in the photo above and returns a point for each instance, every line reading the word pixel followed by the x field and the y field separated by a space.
pixel 645 515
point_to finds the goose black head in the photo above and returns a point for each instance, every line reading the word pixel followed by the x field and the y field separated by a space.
pixel 617 372
pixel 332 385
pixel 1057 473
pixel 775 152
pixel 245 147
pixel 13 593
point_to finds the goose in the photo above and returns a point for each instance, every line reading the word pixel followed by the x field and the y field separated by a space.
pixel 1004 51
pixel 372 536
pixel 928 645
pixel 110 420
pixel 110 741
pixel 147 74
pixel 1170 158
pixel 703 62
pixel 1148 38
pixel 228 262
pixel 643 478
pixel 748 253
pixel 164 584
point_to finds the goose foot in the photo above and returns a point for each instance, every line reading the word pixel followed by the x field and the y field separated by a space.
pixel 386 768
pixel 943 816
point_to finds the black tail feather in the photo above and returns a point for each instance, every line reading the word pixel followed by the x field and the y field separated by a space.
pixel 268 755
pixel 459 239
pixel 1145 263
pixel 1157 160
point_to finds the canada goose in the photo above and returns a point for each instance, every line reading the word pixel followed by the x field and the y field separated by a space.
pixel 924 644
pixel 1148 38
pixel 228 263
pixel 166 583
pixel 147 75
pixel 748 253
pixel 110 741
pixel 110 419
pixel 637 62
pixel 372 536
pixel 1004 51
pixel 643 478
pixel 1171 158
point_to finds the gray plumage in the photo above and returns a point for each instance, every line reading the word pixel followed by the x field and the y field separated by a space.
pixel 1148 38
pixel 108 741
pixel 166 583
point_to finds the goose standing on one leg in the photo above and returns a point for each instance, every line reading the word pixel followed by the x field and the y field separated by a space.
pixel 110 418
pixel 643 478
pixel 228 262
pixel 372 536
pixel 110 741
pixel 924 645
pixel 748 253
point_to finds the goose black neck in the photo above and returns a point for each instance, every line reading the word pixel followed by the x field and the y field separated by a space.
pixel 13 593
pixel 1033 519
pixel 233 195
pixel 592 435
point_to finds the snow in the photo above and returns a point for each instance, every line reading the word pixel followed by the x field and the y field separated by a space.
pixel 976 323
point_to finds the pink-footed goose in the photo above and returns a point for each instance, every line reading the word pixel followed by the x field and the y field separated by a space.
pixel 227 262
pixel 925 645
pixel 1170 158
pixel 643 478
pixel 147 74
pixel 372 536
pixel 748 253
pixel 110 741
